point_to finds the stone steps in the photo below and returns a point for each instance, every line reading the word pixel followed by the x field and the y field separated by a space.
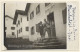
pixel 48 43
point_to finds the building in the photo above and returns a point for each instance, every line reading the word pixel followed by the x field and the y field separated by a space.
pixel 20 20
pixel 9 27
pixel 29 20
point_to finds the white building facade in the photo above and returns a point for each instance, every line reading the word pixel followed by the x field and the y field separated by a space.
pixel 9 27
pixel 39 11
pixel 21 24
pixel 36 12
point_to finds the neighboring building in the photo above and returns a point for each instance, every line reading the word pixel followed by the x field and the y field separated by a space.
pixel 9 27
pixel 55 13
pixel 22 27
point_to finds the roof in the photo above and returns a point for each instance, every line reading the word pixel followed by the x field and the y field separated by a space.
pixel 16 15
pixel 27 7
pixel 21 12
pixel 8 17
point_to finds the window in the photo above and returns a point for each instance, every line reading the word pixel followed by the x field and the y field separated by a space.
pixel 32 15
pixel 27 28
pixel 37 9
pixel 21 19
pixel 64 14
pixel 5 28
pixel 19 22
pixel 46 4
pixel 21 29
pixel 32 31
pixel 13 28
pixel 27 18
pixel 13 33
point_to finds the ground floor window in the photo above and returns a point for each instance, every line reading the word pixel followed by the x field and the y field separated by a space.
pixel 32 30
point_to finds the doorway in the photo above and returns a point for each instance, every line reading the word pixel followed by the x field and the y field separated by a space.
pixel 50 19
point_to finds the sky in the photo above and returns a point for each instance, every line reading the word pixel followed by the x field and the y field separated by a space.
pixel 10 8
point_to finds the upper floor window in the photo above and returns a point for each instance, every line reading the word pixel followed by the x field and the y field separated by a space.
pixel 27 18
pixel 21 19
pixel 32 15
pixel 64 14
pixel 18 22
pixel 37 9
pixel 46 4
pixel 13 28
pixel 27 28
pixel 32 31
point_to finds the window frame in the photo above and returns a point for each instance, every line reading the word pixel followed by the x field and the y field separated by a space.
pixel 32 30
pixel 18 22
pixel 12 28
pixel 21 19
pixel 32 15
pixel 38 9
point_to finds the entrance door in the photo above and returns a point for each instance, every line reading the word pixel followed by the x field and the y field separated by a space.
pixel 50 19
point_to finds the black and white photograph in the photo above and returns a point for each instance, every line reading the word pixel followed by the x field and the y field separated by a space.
pixel 35 26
